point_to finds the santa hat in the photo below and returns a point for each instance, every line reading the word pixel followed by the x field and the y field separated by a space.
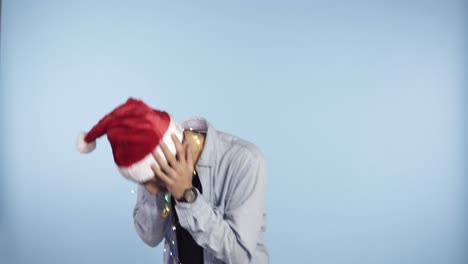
pixel 134 131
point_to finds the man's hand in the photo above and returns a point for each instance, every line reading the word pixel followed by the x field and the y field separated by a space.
pixel 177 173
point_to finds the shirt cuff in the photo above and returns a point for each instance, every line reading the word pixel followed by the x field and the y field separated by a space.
pixel 187 212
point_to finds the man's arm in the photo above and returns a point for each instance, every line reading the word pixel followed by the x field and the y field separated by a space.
pixel 149 224
pixel 231 237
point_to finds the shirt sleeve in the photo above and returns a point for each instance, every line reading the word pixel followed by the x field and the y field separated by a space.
pixel 231 237
pixel 149 224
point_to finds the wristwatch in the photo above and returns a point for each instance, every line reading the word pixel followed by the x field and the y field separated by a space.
pixel 190 195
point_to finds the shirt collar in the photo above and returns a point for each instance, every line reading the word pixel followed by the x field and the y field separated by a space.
pixel 200 124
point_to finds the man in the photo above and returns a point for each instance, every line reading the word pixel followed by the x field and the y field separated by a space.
pixel 204 195
pixel 217 211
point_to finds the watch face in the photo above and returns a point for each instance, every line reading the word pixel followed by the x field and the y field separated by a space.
pixel 190 195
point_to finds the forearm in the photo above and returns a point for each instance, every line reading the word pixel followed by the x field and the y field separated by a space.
pixel 212 232
pixel 149 224
pixel 230 235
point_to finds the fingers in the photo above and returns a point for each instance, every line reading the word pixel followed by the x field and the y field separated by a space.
pixel 171 159
pixel 163 165
pixel 179 148
pixel 188 156
pixel 161 175
pixel 175 174
pixel 180 153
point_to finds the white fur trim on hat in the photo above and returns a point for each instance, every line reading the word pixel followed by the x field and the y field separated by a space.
pixel 82 146
pixel 141 171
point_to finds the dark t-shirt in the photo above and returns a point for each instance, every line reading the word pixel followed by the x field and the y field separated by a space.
pixel 189 251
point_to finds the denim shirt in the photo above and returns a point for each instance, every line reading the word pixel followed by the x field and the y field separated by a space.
pixel 229 219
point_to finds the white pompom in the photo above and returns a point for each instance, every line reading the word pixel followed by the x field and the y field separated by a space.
pixel 82 146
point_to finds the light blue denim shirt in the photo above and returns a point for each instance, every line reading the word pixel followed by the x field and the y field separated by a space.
pixel 229 219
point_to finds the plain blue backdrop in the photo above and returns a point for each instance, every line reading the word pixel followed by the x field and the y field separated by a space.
pixel 358 106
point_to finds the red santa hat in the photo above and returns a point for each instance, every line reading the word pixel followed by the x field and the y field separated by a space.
pixel 134 131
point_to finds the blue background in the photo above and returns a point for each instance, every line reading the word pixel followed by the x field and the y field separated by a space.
pixel 358 106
